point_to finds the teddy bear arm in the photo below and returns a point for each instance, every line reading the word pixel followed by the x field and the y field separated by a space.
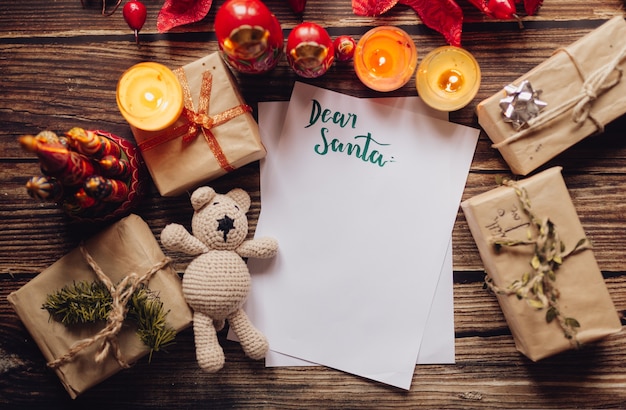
pixel 258 248
pixel 176 238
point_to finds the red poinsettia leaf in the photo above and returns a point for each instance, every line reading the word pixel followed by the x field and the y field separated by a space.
pixel 176 13
pixel 444 16
pixel 372 8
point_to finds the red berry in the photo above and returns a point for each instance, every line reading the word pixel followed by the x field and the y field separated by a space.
pixel 502 9
pixel 297 5
pixel 135 14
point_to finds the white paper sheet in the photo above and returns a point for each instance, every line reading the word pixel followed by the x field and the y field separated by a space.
pixel 438 341
pixel 361 245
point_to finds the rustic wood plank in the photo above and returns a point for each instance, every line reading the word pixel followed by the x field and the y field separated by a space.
pixel 59 63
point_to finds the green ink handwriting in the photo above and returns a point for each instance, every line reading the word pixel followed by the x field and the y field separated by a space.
pixel 362 152
pixel 326 115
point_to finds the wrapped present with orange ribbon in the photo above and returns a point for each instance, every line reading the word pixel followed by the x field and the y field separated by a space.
pixel 191 124
pixel 570 96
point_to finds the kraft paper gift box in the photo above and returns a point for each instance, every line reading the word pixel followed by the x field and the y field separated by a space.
pixel 584 89
pixel 178 162
pixel 582 293
pixel 124 248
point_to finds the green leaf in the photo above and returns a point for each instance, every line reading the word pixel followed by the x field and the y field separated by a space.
pixel 525 278
pixel 535 262
pixel 551 314
pixel 537 304
pixel 571 322
pixel 581 243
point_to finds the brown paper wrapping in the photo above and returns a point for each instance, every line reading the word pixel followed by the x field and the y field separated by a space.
pixel 497 214
pixel 560 81
pixel 177 166
pixel 127 246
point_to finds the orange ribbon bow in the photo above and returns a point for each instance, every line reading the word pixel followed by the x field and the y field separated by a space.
pixel 199 121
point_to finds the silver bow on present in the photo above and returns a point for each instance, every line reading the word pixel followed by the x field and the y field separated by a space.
pixel 521 104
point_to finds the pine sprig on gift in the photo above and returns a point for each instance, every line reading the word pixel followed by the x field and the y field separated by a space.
pixel 90 302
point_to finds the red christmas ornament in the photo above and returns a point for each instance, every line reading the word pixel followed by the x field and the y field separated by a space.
pixel 310 50
pixel 249 35
pixel 344 48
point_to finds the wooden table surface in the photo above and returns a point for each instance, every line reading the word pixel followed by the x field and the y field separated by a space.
pixel 59 64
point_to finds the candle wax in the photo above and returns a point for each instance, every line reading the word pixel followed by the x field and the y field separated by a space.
pixel 149 96
pixel 448 78
pixel 451 80
pixel 385 58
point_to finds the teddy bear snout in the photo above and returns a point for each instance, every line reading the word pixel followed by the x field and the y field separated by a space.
pixel 225 225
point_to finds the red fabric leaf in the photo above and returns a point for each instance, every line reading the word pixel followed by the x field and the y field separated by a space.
pixel 444 16
pixel 179 12
pixel 372 8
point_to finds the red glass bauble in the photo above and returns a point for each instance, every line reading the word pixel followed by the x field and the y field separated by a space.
pixel 250 37
pixel 310 50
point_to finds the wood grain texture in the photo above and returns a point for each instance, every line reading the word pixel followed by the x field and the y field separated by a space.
pixel 59 64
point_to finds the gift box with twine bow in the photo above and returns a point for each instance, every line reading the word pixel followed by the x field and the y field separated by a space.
pixel 215 134
pixel 123 257
pixel 573 94
pixel 540 265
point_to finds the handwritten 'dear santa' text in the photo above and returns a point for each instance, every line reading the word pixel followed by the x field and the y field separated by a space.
pixel 363 147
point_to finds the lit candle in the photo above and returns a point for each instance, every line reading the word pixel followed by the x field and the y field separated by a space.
pixel 385 58
pixel 149 96
pixel 448 78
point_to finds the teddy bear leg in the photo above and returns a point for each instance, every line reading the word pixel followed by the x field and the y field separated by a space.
pixel 209 353
pixel 252 341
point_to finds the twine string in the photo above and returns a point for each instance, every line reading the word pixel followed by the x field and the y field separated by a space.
pixel 548 255
pixel 120 294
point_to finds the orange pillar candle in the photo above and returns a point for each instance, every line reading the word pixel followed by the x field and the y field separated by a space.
pixel 149 96
pixel 385 58
pixel 448 78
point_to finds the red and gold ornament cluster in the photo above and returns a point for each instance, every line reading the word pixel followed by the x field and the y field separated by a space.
pixel 93 175
pixel 444 16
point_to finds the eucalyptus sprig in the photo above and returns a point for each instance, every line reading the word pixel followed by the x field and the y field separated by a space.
pixel 90 302
pixel 536 286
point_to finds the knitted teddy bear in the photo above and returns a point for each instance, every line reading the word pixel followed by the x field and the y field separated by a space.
pixel 217 282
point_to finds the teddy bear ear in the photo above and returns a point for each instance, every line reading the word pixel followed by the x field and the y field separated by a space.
pixel 241 197
pixel 201 197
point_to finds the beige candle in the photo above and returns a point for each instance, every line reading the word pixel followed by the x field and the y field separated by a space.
pixel 149 96
pixel 448 78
